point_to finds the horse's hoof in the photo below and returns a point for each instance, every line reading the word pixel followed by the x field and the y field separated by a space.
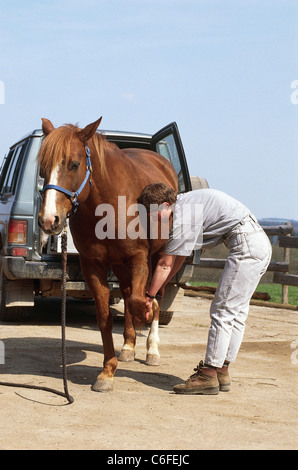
pixel 152 360
pixel 126 355
pixel 103 385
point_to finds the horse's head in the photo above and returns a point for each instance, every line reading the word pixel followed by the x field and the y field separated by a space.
pixel 66 168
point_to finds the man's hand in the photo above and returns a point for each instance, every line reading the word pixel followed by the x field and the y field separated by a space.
pixel 148 307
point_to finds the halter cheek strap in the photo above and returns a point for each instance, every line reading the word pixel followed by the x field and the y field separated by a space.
pixel 73 195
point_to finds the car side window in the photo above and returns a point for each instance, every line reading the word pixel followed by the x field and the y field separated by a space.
pixel 167 148
pixel 11 170
pixel 4 170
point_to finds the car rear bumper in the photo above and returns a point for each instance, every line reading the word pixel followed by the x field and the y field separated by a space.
pixel 15 267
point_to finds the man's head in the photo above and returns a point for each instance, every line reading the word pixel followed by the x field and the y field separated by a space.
pixel 157 194
pixel 159 199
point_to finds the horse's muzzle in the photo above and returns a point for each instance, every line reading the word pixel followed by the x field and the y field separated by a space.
pixel 51 225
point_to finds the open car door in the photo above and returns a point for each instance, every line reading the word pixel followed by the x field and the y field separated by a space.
pixel 168 143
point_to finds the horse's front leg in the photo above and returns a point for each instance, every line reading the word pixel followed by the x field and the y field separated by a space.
pixel 127 353
pixel 104 381
pixel 133 280
pixel 96 278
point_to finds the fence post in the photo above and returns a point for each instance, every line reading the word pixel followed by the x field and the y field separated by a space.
pixel 285 288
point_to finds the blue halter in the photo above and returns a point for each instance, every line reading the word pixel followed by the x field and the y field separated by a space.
pixel 73 195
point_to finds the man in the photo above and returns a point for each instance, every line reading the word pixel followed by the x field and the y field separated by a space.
pixel 205 218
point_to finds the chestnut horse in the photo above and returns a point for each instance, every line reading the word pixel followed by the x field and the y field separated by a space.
pixel 66 156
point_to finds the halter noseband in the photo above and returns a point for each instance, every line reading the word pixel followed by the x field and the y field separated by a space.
pixel 73 195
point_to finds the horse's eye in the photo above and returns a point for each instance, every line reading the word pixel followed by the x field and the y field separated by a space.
pixel 75 166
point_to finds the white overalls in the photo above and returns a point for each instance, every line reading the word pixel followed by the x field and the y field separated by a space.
pixel 248 259
pixel 206 218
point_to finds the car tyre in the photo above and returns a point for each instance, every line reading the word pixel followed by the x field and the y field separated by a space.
pixel 7 314
pixel 165 317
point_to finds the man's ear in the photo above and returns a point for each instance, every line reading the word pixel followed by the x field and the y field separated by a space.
pixel 166 207
pixel 164 212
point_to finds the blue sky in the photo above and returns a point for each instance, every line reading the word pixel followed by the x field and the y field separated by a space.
pixel 222 69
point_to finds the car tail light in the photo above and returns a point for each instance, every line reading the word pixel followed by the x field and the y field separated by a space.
pixel 17 231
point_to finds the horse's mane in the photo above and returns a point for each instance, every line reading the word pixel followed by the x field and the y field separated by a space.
pixel 56 147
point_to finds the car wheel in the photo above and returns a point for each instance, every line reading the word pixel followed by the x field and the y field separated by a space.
pixel 165 317
pixel 8 314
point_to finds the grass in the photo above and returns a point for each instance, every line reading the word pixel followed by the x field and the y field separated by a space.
pixel 274 290
pixel 210 277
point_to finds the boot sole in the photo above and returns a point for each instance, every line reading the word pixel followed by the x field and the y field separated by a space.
pixel 194 391
pixel 224 387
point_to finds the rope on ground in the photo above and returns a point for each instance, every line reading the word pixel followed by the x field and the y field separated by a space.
pixel 63 340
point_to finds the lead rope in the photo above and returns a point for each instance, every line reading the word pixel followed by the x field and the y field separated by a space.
pixel 63 311
pixel 63 323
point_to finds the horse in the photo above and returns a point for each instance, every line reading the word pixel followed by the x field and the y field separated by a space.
pixel 84 176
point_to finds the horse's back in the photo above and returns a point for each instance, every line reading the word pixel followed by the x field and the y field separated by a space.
pixel 153 165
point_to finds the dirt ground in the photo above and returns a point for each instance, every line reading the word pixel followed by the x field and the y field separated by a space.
pixel 260 411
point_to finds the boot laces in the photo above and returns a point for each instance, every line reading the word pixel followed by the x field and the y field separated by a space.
pixel 198 370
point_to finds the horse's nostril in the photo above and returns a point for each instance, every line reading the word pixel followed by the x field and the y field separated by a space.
pixel 56 221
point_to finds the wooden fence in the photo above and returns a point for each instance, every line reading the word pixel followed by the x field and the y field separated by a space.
pixel 286 241
pixel 279 268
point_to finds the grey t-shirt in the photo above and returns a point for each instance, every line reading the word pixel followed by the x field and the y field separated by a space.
pixel 201 218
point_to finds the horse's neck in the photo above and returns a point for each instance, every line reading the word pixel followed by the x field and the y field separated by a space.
pixel 109 168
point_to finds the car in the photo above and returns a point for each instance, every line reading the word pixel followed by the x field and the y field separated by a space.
pixel 30 265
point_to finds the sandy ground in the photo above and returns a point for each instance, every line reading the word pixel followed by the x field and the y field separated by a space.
pixel 260 411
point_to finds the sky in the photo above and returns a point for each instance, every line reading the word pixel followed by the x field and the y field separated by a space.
pixel 225 70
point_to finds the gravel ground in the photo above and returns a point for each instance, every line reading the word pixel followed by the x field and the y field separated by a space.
pixel 260 411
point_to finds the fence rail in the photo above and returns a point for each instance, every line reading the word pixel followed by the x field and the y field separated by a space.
pixel 279 268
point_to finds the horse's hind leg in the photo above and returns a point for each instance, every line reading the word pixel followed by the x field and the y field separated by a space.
pixel 99 287
pixel 153 356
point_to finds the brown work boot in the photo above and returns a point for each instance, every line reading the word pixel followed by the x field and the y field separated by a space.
pixel 223 378
pixel 203 382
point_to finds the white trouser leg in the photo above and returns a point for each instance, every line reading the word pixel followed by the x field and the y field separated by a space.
pixel 248 259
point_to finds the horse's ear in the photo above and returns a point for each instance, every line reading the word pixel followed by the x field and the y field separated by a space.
pixel 86 133
pixel 47 126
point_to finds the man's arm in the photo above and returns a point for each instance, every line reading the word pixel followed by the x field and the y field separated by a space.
pixel 177 265
pixel 161 274
pixel 167 267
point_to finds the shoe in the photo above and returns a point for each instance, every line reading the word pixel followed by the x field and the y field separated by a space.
pixel 223 378
pixel 203 382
